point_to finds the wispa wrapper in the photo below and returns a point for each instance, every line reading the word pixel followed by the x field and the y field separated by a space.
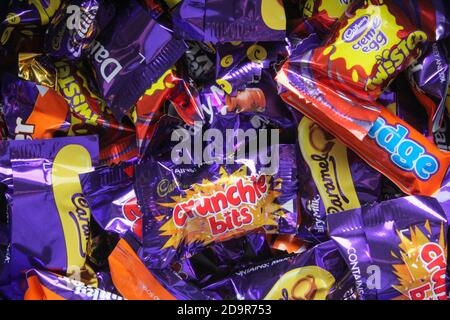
pixel 110 194
pixel 44 285
pixel 229 20
pixel 429 78
pixel 177 225
pixel 317 274
pixel 54 234
pixel 75 26
pixel 332 179
pixel 396 249
pixel 130 54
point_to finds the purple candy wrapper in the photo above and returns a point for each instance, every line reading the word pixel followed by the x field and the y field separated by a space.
pixel 170 184
pixel 111 197
pixel 37 12
pixel 256 105
pixel 75 26
pixel 55 234
pixel 230 20
pixel 396 249
pixel 332 179
pixel 429 78
pixel 170 234
pixel 239 64
pixel 199 61
pixel 317 274
pixel 5 218
pixel 218 260
pixel 43 285
pixel 130 54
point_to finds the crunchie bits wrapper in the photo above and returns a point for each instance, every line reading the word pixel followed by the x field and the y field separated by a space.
pixel 396 250
pixel 218 260
pixel 187 206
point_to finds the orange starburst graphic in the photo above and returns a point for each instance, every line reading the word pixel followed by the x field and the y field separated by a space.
pixel 422 273
pixel 214 211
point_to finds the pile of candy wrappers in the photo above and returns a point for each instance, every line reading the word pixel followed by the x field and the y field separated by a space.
pixel 224 149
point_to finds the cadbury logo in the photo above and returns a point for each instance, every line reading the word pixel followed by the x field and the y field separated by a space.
pixel 356 29
pixel 405 153
pixel 80 217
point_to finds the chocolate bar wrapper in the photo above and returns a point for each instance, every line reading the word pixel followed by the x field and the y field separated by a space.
pixel 5 218
pixel 397 249
pixel 254 104
pixel 200 61
pixel 239 64
pixel 229 20
pixel 430 16
pixel 129 55
pixel 218 260
pixel 332 179
pixel 358 125
pixel 135 282
pixel 323 14
pixel 167 186
pixel 71 108
pixel 44 285
pixel 33 111
pixel 110 194
pixel 46 172
pixel 75 27
pixel 429 79
pixel 38 12
pixel 370 46
pixel 317 274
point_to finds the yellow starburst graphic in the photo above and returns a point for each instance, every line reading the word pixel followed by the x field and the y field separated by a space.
pixel 236 213
pixel 417 278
